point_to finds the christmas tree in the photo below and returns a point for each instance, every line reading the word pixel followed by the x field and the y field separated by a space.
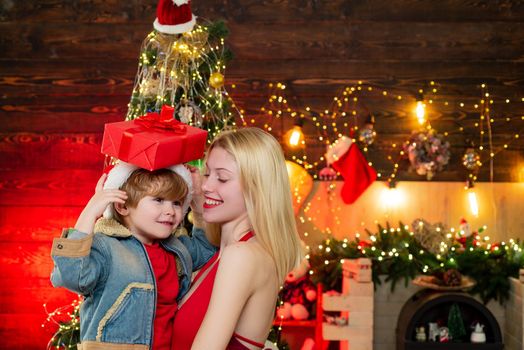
pixel 456 324
pixel 182 64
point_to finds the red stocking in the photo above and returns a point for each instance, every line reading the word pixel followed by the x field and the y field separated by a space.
pixel 357 174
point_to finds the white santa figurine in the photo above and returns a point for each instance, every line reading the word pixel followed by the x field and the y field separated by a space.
pixel 465 230
pixel 465 233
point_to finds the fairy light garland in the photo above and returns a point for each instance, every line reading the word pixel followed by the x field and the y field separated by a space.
pixel 396 245
pixel 341 117
pixel 395 251
pixel 67 319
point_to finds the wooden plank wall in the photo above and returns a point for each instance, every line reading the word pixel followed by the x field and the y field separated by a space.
pixel 67 67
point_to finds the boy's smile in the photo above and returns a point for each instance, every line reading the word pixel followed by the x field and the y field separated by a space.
pixel 168 223
pixel 153 219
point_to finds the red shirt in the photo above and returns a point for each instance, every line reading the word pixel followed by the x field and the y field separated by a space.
pixel 164 268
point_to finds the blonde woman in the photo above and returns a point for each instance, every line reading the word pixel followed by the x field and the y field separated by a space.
pixel 248 210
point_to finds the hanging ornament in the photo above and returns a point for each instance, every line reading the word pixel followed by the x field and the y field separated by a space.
pixel 186 114
pixel 358 175
pixel 471 159
pixel 216 80
pixel 368 134
pixel 149 88
pixel 189 113
pixel 427 152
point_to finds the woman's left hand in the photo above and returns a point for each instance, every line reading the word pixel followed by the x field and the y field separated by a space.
pixel 197 201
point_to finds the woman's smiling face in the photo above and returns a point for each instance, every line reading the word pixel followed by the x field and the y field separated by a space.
pixel 224 198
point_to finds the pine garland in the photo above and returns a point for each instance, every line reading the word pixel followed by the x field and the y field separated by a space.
pixel 397 254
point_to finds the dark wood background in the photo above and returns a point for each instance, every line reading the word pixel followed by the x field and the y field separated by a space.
pixel 67 67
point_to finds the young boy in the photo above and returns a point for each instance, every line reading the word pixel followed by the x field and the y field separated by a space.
pixel 132 271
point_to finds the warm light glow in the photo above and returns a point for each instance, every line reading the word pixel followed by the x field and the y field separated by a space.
pixel 473 203
pixel 300 183
pixel 420 111
pixel 295 137
pixel 392 197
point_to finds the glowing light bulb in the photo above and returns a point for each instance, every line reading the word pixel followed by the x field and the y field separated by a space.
pixel 473 203
pixel 392 197
pixel 472 199
pixel 420 111
pixel 295 137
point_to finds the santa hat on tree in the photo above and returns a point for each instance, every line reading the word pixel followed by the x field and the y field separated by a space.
pixel 174 17
pixel 346 158
pixel 120 172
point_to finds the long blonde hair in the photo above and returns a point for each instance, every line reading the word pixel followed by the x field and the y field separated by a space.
pixel 267 194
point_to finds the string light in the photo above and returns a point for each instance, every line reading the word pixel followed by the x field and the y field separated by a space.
pixel 68 332
pixel 342 115
pixel 420 109
pixel 391 196
pixel 295 136
pixel 178 70
pixel 472 198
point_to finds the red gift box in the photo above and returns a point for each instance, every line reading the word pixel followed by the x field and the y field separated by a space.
pixel 154 141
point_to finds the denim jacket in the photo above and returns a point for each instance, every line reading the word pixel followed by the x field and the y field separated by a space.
pixel 111 269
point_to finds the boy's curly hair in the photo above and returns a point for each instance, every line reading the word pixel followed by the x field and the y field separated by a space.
pixel 162 183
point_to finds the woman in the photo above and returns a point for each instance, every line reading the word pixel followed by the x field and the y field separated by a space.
pixel 247 206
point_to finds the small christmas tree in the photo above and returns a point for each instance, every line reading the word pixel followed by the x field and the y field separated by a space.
pixel 182 64
pixel 67 336
pixel 456 324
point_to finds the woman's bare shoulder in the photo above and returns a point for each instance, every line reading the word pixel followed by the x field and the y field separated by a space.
pixel 247 257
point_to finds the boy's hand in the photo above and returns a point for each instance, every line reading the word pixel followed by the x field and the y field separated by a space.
pixel 97 204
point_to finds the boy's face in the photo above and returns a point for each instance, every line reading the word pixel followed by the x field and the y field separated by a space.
pixel 153 218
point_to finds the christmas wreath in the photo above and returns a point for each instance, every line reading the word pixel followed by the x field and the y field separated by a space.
pixel 427 152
